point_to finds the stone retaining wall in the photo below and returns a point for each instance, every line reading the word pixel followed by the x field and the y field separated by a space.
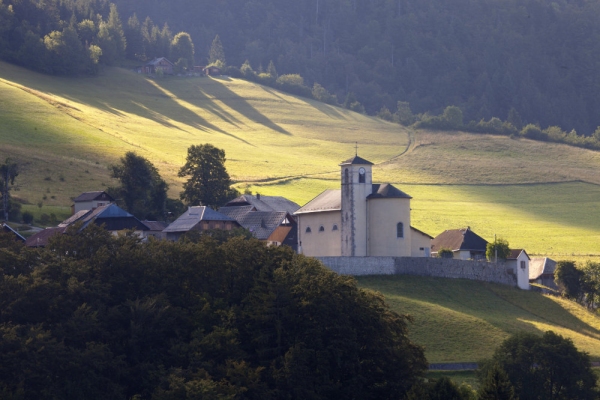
pixel 440 267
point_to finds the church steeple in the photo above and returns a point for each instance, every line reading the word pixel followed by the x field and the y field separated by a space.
pixel 357 183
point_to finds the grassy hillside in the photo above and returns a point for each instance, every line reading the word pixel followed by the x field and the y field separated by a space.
pixel 464 321
pixel 65 132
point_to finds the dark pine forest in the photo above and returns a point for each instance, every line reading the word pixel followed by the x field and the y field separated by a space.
pixel 526 61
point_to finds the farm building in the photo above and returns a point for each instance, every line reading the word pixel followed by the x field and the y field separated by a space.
pixel 464 243
pixel 199 218
pixel 90 200
pixel 156 65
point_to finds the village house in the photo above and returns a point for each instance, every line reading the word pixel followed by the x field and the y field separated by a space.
pixel 362 219
pixel 464 243
pixel 110 216
pixel 89 200
pixel 541 271
pixel 518 261
pixel 158 64
pixel 268 218
pixel 201 219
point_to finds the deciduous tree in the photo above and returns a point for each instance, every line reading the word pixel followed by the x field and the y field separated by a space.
pixel 8 172
pixel 499 247
pixel 209 183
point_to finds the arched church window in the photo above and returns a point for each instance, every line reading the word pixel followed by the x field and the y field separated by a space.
pixel 321 228
pixel 346 176
pixel 335 227
pixel 308 230
pixel 400 230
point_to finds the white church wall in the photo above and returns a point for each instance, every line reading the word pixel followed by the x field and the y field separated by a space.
pixel 384 216
pixel 420 244
pixel 320 243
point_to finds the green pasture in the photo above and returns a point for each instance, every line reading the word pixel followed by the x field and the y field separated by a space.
pixel 464 321
pixel 64 132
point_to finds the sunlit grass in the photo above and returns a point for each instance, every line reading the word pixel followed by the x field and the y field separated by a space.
pixel 464 321
pixel 65 132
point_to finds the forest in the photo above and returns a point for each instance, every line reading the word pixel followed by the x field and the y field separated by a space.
pixel 532 59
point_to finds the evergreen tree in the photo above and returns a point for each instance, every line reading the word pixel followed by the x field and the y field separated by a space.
pixel 496 385
pixel 217 54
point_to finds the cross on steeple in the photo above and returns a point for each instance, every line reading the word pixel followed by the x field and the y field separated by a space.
pixel 356 148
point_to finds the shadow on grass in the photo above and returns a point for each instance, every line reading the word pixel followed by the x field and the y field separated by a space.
pixel 507 309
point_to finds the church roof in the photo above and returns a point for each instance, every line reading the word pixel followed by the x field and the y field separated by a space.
pixel 387 191
pixel 459 239
pixel 329 200
pixel 356 160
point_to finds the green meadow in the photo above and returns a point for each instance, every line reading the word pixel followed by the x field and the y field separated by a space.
pixel 457 320
pixel 64 132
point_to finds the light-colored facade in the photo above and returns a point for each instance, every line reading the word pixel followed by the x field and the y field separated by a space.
pixel 519 262
pixel 361 219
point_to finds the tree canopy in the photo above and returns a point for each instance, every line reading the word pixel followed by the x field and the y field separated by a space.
pixel 8 172
pixel 141 189
pixel 209 183
pixel 542 367
pixel 97 316
pixel 498 248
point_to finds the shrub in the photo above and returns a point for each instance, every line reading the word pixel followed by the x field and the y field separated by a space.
pixel 321 94
pixel 27 217
pixel 445 252
pixel 44 219
pixel 293 83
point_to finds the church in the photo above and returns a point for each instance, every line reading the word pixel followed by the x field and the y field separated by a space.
pixel 362 219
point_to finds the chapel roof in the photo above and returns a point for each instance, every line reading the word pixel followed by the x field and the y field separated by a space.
pixel 459 239
pixel 356 160
pixel 387 191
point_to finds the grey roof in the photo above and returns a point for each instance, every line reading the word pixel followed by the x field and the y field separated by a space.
pixel 40 239
pixel 329 200
pixel 264 203
pixel 356 160
pixel 262 223
pixel 155 225
pixel 158 60
pixel 459 239
pixel 237 212
pixel 73 218
pixel 189 219
pixel 541 266
pixel 387 191
pixel 7 228
pixel 97 195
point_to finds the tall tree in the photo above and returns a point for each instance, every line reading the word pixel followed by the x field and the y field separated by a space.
pixel 8 172
pixel 217 54
pixel 496 386
pixel 568 279
pixel 209 183
pixel 182 50
pixel 141 188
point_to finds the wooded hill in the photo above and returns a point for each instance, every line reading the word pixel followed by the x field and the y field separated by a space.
pixel 525 61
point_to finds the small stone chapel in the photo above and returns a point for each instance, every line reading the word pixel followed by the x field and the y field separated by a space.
pixel 362 219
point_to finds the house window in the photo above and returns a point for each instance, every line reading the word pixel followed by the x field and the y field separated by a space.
pixel 400 230
pixel 522 264
pixel 335 227
pixel 308 230
pixel 321 228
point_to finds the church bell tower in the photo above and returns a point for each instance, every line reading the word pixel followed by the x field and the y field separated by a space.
pixel 357 184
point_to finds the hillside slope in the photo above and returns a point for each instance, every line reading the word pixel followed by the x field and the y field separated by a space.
pixel 458 320
pixel 65 132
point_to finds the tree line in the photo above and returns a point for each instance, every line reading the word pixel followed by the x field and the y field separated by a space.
pixel 580 283
pixel 99 316
pixel 491 59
